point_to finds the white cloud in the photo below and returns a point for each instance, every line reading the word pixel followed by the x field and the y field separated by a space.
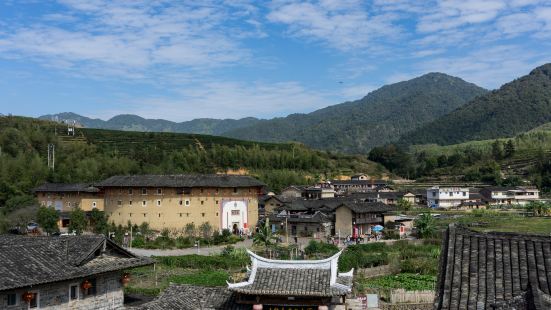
pixel 488 67
pixel 130 36
pixel 343 25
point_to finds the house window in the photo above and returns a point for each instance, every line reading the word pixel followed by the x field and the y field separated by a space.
pixel 180 214
pixel 181 202
pixel 119 203
pixel 158 203
pixel 216 213
pixel 203 214
pixel 216 201
pixel 464 193
pixel 69 204
pixel 130 202
pixel 144 191
pixel 159 191
pixel 144 203
pixel 159 214
pixel 144 214
pixel 234 212
pixel 93 205
pixel 35 301
pixel 187 202
pixel 202 202
pixel 12 299
pixel 216 191
pixel 130 214
pixel 130 191
pixel 235 189
pixel 73 292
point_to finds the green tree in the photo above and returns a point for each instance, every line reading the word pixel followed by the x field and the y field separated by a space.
pixel 205 230
pixel 98 221
pixel 47 218
pixel 264 237
pixel 426 226
pixel 509 149
pixel 77 221
pixel 190 230
pixel 497 150
pixel 539 208
pixel 404 204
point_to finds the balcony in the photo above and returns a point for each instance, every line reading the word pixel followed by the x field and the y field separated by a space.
pixel 372 220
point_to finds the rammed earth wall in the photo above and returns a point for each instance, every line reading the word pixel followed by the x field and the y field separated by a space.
pixel 109 295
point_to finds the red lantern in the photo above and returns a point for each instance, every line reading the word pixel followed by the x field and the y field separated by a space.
pixel 27 297
pixel 86 285
pixel 125 279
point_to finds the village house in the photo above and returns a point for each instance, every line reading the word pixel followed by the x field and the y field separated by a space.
pixel 317 224
pixel 269 203
pixel 68 272
pixel 446 197
pixel 349 186
pixel 519 195
pixel 172 201
pixel 357 218
pixel 506 271
pixel 292 192
pixel 66 197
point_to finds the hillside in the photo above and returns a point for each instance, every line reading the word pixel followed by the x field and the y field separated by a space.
pixel 129 122
pixel 379 118
pixel 514 108
pixel 95 154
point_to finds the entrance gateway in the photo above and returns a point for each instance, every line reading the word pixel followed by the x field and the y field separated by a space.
pixel 269 285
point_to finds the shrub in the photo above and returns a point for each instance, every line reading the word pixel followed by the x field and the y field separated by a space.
pixel 320 249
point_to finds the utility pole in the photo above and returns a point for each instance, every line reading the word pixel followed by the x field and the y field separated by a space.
pixel 51 156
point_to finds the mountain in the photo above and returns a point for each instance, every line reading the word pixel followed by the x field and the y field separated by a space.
pixel 516 107
pixel 131 122
pixel 380 117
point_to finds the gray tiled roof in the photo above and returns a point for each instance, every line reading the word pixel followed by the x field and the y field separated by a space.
pixel 494 271
pixel 315 278
pixel 189 297
pixel 368 207
pixel 26 261
pixel 356 182
pixel 67 187
pixel 292 282
pixel 182 180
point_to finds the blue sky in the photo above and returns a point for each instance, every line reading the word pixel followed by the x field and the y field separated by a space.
pixel 181 60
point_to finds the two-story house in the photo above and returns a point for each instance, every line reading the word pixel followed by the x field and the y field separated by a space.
pixel 446 197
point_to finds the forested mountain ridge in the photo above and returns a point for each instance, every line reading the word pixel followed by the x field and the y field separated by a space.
pixel 95 154
pixel 379 118
pixel 130 122
pixel 516 107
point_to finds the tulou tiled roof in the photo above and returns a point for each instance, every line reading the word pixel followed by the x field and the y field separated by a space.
pixel 27 261
pixel 66 187
pixel 494 271
pixel 181 180
pixel 314 278
pixel 189 297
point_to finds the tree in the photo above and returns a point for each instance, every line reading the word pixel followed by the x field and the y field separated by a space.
pixel 98 221
pixel 77 221
pixel 47 218
pixel 404 204
pixel 539 208
pixel 509 149
pixel 205 230
pixel 497 150
pixel 264 237
pixel 190 230
pixel 426 226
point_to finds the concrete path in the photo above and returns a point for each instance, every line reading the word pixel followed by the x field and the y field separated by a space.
pixel 202 250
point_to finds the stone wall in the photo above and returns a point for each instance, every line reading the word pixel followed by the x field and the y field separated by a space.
pixel 109 295
pixel 378 271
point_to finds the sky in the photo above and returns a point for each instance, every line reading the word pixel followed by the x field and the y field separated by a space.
pixel 180 60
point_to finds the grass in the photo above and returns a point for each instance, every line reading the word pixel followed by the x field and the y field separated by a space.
pixel 502 222
pixel 407 281
pixel 202 278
